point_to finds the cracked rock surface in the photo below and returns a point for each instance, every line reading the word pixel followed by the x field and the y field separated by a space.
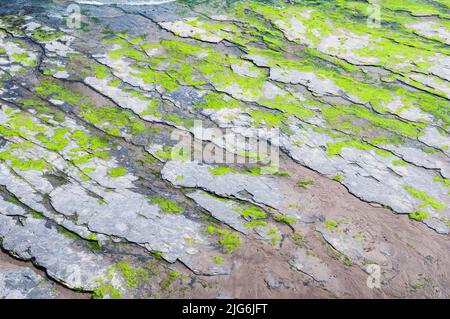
pixel 253 149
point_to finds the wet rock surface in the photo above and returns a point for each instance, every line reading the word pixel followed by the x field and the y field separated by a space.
pixel 285 149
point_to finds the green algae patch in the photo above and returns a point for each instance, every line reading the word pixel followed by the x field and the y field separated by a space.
pixel 180 153
pixel 166 206
pixel 264 170
pixel 331 224
pixel 427 200
pixel 218 260
pixel 23 58
pixel 157 78
pixel 222 170
pixel 218 101
pixel 253 212
pixel 347 261
pixel 44 35
pixel 106 290
pixel 419 216
pixel 37 215
pixel 417 8
pixel 287 104
pixel 230 242
pixel 19 163
pixel 305 183
pixel 171 278
pixel 334 149
pixel 117 172
pixel 255 223
pixel 298 239
pixel 57 142
pixel 399 162
pixel 133 276
pixel 114 82
pixel 166 153
pixel 443 181
pixel 23 164
pixel 52 89
pixel 267 118
pixel 88 142
pixel 67 233
pixel 101 71
pixel 21 124
pixel 285 219
pixel 341 118
pixel 112 119
pixel 275 236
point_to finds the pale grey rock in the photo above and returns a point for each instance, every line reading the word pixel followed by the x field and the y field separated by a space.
pixel 321 86
pixel 294 29
pixel 365 173
pixel 431 29
pixel 345 244
pixel 433 82
pixel 358 251
pixel 224 295
pixel 63 258
pixel 129 215
pixel 270 233
pixel 344 44
pixel 246 69
pixel 122 98
pixel 310 264
pixel 441 66
pixel 122 69
pixel 418 157
pixel 415 114
pixel 368 174
pixel 274 283
pixel 186 30
pixel 438 225
pixel 21 189
pixel 257 189
pixel 217 271
pixel 24 283
pixel 434 138
pixel 385 249
pixel 221 209
pixel 96 208
pixel 13 48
